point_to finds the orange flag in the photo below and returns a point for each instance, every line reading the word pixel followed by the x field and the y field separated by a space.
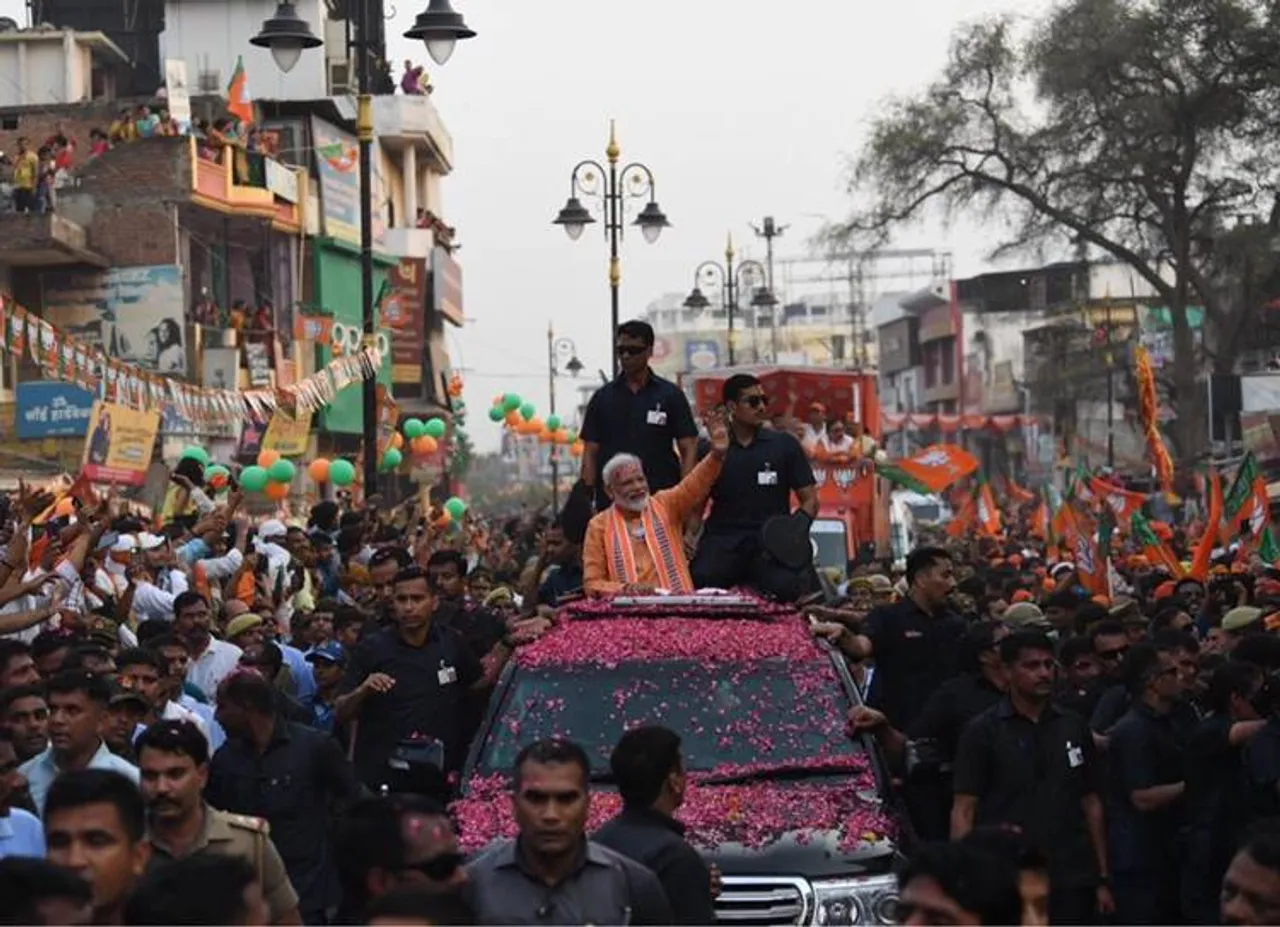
pixel 988 511
pixel 964 519
pixel 1083 547
pixel 1209 539
pixel 1123 502
pixel 238 102
pixel 939 466
pixel 1017 493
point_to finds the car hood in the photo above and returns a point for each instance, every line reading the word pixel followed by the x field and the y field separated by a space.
pixel 816 825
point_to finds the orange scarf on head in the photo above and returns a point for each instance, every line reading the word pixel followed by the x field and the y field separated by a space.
pixel 662 542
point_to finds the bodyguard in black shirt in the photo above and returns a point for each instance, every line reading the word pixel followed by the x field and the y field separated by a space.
pixel 1028 764
pixel 649 772
pixel 761 470
pixel 638 413
pixel 408 681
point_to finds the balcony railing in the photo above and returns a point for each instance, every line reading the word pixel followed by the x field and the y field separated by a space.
pixel 249 183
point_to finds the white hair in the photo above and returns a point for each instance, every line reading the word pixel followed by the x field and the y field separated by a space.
pixel 616 463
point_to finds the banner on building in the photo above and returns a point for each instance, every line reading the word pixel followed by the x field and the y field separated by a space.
pixel 404 306
pixel 287 435
pixel 338 167
pixel 446 286
pixel 119 444
pixel 132 314
pixel 701 354
pixel 52 410
pixel 177 91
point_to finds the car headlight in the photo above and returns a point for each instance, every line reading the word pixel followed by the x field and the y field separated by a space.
pixel 872 900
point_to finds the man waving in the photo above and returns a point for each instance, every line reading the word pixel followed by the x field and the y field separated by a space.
pixel 636 544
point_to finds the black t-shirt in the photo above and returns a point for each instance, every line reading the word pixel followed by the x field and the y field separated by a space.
pixel 480 627
pixel 1145 750
pixel 427 700
pixel 953 705
pixel 645 422
pixel 756 481
pixel 914 652
pixel 1033 775
pixel 1217 797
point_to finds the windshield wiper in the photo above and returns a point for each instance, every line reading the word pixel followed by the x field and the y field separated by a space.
pixel 782 773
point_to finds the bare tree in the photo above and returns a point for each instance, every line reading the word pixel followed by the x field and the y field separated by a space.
pixel 1144 130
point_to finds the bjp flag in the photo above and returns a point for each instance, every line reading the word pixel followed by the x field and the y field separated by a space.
pixel 238 102
pixel 988 511
pixel 939 466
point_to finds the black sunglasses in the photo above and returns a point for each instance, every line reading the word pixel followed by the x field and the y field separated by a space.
pixel 1116 654
pixel 755 401
pixel 438 868
pixel 629 349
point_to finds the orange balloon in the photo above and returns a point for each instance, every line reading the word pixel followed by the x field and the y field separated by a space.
pixel 562 436
pixel 546 437
pixel 423 445
pixel 277 491
pixel 65 506
pixel 319 470
pixel 397 440
pixel 267 458
pixel 444 519
pixel 514 420
pixel 577 448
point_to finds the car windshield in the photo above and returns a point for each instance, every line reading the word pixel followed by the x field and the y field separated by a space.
pixel 771 712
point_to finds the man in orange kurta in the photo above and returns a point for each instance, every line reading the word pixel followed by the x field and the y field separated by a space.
pixel 636 545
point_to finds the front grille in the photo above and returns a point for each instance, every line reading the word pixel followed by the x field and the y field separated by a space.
pixel 764 900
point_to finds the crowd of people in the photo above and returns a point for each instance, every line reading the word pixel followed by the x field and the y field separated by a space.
pixel 209 716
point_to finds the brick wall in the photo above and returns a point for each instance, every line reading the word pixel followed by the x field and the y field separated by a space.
pixel 39 123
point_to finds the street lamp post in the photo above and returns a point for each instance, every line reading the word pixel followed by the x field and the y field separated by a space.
pixel 559 351
pixel 287 35
pixel 590 178
pixel 731 282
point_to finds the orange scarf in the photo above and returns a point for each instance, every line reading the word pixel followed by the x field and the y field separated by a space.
pixel 661 541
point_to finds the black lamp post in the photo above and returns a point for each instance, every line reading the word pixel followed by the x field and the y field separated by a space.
pixel 610 186
pixel 561 353
pixel 287 35
pixel 731 282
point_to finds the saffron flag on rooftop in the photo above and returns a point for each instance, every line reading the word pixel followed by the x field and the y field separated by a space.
pixel 238 102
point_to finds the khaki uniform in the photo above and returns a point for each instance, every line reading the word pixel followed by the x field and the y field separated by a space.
pixel 249 839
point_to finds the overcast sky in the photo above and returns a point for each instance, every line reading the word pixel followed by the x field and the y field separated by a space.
pixel 742 108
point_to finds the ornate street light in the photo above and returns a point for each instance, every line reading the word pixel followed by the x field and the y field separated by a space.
pixel 441 28
pixel 732 278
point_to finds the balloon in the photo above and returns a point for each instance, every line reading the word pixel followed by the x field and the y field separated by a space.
pixel 435 427
pixel 413 428
pixel 577 448
pixel 562 437
pixel 553 423
pixel 510 402
pixel 424 445
pixel 342 473
pixel 196 452
pixel 277 491
pixel 282 471
pixel 459 406
pixel 444 519
pixel 496 414
pixel 267 458
pixel 217 476
pixel 545 436
pixel 573 436
pixel 392 458
pixel 514 420
pixel 66 506
pixel 455 507
pixel 253 479
pixel 319 470
pixel 397 440
pixel 527 411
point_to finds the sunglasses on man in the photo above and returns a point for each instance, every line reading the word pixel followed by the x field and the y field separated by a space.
pixel 755 400
pixel 629 350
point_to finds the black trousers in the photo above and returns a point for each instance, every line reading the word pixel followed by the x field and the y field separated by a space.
pixel 727 560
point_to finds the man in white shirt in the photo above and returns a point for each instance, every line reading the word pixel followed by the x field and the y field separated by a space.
pixel 160 583
pixel 20 831
pixel 77 716
pixel 212 660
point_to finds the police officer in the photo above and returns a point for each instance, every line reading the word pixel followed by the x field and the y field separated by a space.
pixel 762 468
pixel 174 759
pixel 638 413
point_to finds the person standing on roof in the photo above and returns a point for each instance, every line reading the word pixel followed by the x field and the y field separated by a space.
pixel 762 468
pixel 636 545
pixel 638 413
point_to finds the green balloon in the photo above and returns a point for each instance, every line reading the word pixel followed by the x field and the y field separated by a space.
pixel 528 411
pixel 496 414
pixel 510 402
pixel 214 470
pixel 196 452
pixel 342 473
pixel 553 423
pixel 455 507
pixel 413 428
pixel 253 479
pixel 573 436
pixel 282 471
pixel 391 459
pixel 435 427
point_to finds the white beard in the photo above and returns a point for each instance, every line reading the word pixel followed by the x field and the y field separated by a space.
pixel 635 507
